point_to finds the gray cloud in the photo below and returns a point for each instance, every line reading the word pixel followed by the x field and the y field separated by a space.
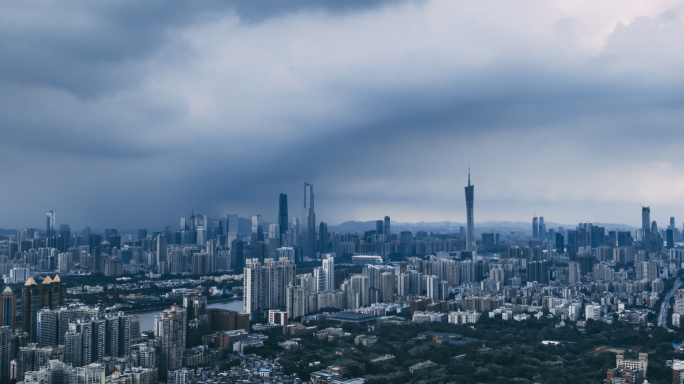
pixel 132 114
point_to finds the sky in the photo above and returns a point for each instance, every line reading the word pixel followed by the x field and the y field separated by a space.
pixel 130 114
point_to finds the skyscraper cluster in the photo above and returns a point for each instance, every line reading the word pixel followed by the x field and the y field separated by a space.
pixel 613 273
pixel 79 336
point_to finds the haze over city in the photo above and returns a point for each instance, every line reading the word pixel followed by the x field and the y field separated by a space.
pixel 131 114
pixel 341 192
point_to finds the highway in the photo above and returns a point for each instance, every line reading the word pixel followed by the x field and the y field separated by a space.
pixel 665 305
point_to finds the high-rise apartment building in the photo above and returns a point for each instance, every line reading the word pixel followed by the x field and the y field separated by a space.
pixel 433 287
pixel 170 328
pixel 93 373
pixel 224 320
pixel 325 274
pixel 6 353
pixel 574 272
pixel 296 302
pixel 470 228
pixel 361 284
pixel 264 285
pixel 73 348
pixel 195 306
pixel 386 287
pixel 538 271
pixel 98 340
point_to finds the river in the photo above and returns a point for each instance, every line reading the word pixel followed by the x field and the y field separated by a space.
pixel 147 317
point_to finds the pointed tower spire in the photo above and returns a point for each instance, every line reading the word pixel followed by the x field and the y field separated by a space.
pixel 469 174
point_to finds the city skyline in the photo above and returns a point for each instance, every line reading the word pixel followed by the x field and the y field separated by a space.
pixel 454 225
pixel 308 212
pixel 268 191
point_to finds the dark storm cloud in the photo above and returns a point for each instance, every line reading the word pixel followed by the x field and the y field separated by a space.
pixel 93 48
pixel 132 114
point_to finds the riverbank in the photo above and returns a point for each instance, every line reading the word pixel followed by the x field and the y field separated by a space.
pixel 170 302
pixel 147 316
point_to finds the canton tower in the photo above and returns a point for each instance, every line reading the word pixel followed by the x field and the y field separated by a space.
pixel 470 228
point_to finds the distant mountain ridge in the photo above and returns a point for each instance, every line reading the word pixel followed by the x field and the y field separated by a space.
pixel 351 226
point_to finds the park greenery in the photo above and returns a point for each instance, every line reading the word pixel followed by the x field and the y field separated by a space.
pixel 517 353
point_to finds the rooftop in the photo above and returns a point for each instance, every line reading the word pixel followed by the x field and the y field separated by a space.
pixel 352 317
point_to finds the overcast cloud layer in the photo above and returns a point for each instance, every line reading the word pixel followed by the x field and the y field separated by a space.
pixel 130 114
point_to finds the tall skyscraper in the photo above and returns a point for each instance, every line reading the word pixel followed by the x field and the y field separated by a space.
pixel 50 228
pixel 560 244
pixel 655 239
pixel 387 228
pixel 8 309
pixel 535 227
pixel 95 250
pixel 31 303
pixel 295 232
pixel 161 248
pixel 323 238
pixel 202 235
pixel 542 228
pixel 646 228
pixel 51 294
pixel 309 222
pixel 232 228
pixel 672 223
pixel 379 227
pixel 65 237
pixel 192 228
pixel 470 229
pixel 282 219
pixel 257 228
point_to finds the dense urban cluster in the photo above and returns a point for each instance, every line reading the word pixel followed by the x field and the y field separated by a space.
pixel 298 276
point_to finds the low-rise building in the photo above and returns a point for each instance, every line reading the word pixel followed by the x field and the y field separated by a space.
pixel 464 317
pixel 366 340
pixel 420 366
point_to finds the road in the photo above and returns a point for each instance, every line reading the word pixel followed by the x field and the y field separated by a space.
pixel 665 305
